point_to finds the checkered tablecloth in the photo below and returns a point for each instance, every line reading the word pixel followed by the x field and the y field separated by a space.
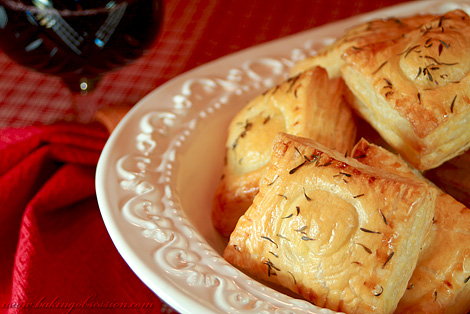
pixel 194 32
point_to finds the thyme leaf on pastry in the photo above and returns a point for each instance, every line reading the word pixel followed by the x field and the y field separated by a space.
pixel 380 67
pixel 383 217
pixel 452 104
pixel 365 247
pixel 275 89
pixel 274 180
pixel 326 164
pixel 444 43
pixel 428 43
pixel 388 259
pixel 315 158
pixel 399 22
pixel 379 291
pixel 301 230
pixel 407 52
pixel 306 196
pixel 389 84
pixel 295 281
pixel 357 196
pixel 427 72
pixel 369 231
pixel 303 156
pixel 270 240
pixel 342 174
pixel 438 62
pixel 419 72
pixel 282 237
pixel 441 19
pixel 274 254
pixel 426 30
pixel 293 170
pixel 292 81
pixel 248 125
pixel 271 266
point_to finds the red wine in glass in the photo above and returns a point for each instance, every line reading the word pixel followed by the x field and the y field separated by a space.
pixel 78 40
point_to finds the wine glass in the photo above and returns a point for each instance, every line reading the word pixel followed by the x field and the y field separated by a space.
pixel 78 40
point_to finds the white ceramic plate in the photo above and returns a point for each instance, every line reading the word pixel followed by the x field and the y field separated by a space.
pixel 159 170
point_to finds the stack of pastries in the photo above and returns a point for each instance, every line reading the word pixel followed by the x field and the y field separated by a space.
pixel 356 225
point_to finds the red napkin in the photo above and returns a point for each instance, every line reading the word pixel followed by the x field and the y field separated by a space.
pixel 56 255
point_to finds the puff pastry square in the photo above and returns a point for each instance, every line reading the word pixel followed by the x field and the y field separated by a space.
pixel 309 105
pixel 344 235
pixel 330 57
pixel 415 89
pixel 440 281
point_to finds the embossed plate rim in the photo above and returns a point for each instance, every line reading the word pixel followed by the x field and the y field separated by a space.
pixel 138 237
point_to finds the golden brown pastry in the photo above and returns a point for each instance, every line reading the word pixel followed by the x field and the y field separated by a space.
pixel 376 156
pixel 440 281
pixel 360 35
pixel 309 105
pixel 415 89
pixel 344 235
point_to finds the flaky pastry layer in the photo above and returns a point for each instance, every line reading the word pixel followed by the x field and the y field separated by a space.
pixel 415 89
pixel 330 57
pixel 344 235
pixel 440 281
pixel 309 105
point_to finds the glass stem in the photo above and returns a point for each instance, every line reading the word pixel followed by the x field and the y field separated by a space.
pixel 84 101
pixel 82 85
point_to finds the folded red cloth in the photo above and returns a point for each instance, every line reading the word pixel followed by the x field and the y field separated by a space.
pixel 56 253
